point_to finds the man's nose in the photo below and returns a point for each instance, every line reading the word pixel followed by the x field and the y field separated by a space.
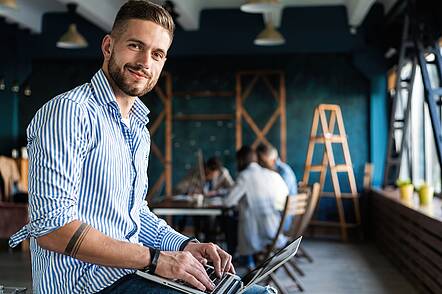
pixel 145 59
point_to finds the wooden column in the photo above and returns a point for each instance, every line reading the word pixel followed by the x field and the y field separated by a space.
pixel 278 93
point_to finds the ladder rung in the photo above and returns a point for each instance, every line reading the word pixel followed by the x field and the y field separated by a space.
pixel 343 195
pixel 341 168
pixel 332 138
pixel 316 168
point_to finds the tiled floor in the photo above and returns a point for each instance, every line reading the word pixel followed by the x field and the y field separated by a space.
pixel 337 268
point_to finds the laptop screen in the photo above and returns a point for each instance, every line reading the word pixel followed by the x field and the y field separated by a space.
pixel 272 263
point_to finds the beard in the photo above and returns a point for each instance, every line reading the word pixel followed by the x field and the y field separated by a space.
pixel 121 81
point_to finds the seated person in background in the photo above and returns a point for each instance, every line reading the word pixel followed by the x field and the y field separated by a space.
pixel 254 193
pixel 218 179
pixel 268 158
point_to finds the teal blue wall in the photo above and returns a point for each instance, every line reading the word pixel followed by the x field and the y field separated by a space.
pixel 323 63
pixel 311 79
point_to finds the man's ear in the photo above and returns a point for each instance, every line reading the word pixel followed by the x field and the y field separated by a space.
pixel 106 46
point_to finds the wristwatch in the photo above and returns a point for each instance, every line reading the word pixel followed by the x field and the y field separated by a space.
pixel 191 239
pixel 154 255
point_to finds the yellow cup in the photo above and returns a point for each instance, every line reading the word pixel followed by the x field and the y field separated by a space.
pixel 406 193
pixel 426 195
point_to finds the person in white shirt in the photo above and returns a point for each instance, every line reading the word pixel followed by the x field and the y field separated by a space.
pixel 254 194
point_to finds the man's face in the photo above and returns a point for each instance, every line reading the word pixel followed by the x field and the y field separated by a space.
pixel 137 56
pixel 212 174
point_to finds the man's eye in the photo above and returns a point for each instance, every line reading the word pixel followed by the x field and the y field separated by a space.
pixel 135 46
pixel 158 56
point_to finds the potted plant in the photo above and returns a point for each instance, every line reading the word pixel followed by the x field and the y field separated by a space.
pixel 406 189
pixel 425 194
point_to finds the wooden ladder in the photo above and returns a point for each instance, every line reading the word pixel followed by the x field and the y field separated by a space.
pixel 328 137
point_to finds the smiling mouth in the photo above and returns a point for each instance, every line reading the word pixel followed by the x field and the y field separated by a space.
pixel 137 74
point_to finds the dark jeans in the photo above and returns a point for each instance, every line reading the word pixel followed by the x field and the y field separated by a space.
pixel 135 284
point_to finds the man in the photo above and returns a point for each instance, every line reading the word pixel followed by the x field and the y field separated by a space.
pixel 254 194
pixel 90 227
pixel 268 158
pixel 217 180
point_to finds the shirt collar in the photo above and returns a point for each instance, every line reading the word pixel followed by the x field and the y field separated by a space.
pixel 104 95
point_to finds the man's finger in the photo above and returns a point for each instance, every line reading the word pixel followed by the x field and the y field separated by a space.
pixel 226 260
pixel 190 279
pixel 212 253
pixel 201 276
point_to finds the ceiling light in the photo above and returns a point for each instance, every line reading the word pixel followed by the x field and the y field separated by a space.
pixel 27 90
pixel 269 37
pixel 15 87
pixel 2 83
pixel 72 39
pixel 9 3
pixel 260 6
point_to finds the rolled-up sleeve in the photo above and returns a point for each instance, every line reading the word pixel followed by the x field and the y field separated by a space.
pixel 156 233
pixel 237 192
pixel 57 143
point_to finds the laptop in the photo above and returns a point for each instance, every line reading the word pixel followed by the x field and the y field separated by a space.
pixel 230 283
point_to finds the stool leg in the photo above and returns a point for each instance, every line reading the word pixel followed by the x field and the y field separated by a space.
pixel 296 267
pixel 292 275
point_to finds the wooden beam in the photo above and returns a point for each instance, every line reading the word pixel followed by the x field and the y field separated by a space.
pixel 155 188
pixel 157 152
pixel 160 93
pixel 271 88
pixel 249 88
pixel 157 123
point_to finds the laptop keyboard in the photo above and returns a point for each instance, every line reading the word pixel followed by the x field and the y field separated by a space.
pixel 220 282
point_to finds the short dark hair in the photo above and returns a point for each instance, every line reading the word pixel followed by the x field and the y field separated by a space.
pixel 213 164
pixel 245 156
pixel 144 10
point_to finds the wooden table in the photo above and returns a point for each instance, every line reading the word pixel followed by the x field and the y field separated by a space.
pixel 172 207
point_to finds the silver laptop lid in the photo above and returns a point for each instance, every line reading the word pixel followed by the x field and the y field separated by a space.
pixel 271 264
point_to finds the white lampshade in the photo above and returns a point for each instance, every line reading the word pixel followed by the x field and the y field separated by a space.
pixel 269 37
pixel 72 39
pixel 260 6
pixel 9 3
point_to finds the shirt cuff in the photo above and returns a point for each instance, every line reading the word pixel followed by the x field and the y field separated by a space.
pixel 172 241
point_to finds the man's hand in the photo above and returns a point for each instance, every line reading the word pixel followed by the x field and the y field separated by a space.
pixel 222 261
pixel 183 266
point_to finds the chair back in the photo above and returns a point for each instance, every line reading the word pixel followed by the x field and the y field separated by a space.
pixel 295 205
pixel 308 214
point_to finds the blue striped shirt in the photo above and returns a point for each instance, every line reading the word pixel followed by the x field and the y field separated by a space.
pixel 86 164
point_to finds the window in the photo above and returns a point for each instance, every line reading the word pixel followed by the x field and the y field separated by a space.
pixel 419 159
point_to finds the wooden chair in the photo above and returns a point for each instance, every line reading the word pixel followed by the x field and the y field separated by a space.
pixel 295 206
pixel 299 228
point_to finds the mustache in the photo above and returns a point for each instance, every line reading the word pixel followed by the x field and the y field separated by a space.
pixel 140 69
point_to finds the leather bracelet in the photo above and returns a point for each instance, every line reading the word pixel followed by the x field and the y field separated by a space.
pixel 191 239
pixel 154 255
